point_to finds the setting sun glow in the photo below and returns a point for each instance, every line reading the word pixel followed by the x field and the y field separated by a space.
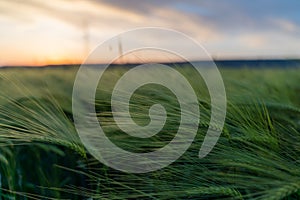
pixel 36 32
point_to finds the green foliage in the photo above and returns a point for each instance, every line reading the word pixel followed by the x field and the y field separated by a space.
pixel 257 156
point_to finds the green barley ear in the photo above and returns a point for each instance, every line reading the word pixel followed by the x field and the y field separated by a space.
pixel 282 192
pixel 38 119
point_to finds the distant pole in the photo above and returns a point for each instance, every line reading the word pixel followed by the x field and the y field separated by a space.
pixel 120 47
pixel 86 37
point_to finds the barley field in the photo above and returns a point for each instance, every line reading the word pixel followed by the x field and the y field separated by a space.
pixel 256 157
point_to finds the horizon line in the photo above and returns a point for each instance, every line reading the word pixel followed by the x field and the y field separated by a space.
pixel 139 63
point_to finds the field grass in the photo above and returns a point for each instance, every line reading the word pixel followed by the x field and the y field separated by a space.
pixel 257 156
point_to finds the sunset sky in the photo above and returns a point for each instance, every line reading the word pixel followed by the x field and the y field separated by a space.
pixel 38 32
